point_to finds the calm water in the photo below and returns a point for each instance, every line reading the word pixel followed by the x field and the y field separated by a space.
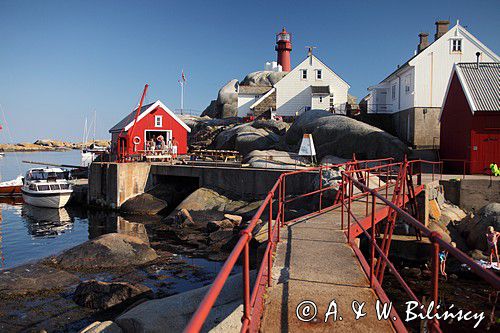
pixel 30 233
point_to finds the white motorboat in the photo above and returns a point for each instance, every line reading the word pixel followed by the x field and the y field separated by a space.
pixel 46 187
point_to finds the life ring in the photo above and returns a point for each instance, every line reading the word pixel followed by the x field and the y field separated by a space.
pixel 136 140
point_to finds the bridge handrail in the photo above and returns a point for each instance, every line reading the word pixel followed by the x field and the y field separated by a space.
pixel 242 246
pixel 433 236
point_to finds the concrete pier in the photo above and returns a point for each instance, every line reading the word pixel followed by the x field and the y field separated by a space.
pixel 111 184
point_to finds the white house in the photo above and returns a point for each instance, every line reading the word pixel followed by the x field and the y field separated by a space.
pixel 413 94
pixel 310 85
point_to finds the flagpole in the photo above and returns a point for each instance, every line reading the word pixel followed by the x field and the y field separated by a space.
pixel 182 98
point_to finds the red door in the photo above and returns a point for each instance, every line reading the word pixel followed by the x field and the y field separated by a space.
pixel 485 149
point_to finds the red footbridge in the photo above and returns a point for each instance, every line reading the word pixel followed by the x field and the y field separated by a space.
pixel 319 269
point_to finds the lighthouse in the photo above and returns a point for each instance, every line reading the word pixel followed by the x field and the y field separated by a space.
pixel 284 46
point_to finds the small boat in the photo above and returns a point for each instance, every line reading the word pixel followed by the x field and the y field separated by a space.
pixel 11 187
pixel 46 187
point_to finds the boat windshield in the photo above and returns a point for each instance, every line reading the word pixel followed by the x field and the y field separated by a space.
pixel 40 175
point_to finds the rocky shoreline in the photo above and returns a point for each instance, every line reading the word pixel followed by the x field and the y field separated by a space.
pixel 49 145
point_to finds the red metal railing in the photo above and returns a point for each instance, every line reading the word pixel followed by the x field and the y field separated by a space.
pixel 365 172
pixel 252 298
pixel 434 237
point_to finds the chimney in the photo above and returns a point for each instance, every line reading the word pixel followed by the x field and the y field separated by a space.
pixel 441 28
pixel 424 42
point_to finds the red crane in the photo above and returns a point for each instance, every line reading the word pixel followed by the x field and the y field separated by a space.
pixel 124 141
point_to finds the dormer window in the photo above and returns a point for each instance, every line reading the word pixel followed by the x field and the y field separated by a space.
pixel 158 121
pixel 456 45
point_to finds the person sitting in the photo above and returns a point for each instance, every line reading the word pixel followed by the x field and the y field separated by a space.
pixel 152 145
pixel 492 238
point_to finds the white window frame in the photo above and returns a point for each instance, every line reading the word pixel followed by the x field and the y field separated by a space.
pixel 303 74
pixel 408 84
pixel 319 74
pixel 456 45
pixel 393 91
pixel 160 123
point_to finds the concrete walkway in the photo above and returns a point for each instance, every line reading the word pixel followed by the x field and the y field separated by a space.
pixel 314 262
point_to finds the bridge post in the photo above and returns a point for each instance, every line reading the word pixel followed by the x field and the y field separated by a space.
pixel 342 184
pixel 271 241
pixel 246 285
pixel 435 279
pixel 320 187
pixel 349 211
pixel 373 241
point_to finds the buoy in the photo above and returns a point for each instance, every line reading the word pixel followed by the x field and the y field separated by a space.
pixel 136 140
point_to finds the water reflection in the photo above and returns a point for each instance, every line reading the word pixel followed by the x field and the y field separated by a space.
pixel 46 222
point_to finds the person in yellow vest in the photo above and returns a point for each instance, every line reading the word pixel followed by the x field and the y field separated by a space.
pixel 495 171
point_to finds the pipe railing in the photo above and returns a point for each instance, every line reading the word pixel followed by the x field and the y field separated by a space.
pixel 252 298
pixel 434 237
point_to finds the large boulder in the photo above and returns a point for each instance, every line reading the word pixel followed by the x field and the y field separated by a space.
pixel 107 251
pixel 173 313
pixel 95 294
pixel 263 78
pixel 34 278
pixel 226 104
pixel 342 136
pixel 275 159
pixel 144 203
pixel 245 138
pixel 474 230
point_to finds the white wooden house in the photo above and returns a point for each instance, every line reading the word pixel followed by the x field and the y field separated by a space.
pixel 310 85
pixel 413 94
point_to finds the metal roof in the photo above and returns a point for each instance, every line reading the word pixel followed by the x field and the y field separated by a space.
pixel 320 90
pixel 481 84
pixel 253 90
pixel 128 119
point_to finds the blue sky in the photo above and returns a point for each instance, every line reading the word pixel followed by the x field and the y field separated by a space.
pixel 61 60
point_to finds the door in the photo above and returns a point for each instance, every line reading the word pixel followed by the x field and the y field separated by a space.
pixel 485 149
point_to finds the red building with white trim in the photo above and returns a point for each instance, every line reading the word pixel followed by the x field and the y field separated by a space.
pixel 153 120
pixel 470 118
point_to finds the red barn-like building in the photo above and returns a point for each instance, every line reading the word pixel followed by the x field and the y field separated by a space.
pixel 154 119
pixel 470 118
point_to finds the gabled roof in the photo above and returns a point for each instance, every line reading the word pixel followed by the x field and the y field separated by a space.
pixel 463 32
pixel 481 85
pixel 253 90
pixel 262 98
pixel 127 122
pixel 299 66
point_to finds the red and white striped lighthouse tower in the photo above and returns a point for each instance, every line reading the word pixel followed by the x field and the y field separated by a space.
pixel 284 46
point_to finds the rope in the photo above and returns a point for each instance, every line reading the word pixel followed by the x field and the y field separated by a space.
pixel 10 139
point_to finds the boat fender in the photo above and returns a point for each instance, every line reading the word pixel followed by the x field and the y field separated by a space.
pixel 136 140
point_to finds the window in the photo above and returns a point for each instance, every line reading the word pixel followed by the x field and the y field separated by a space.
pixel 321 99
pixel 304 74
pixel 456 45
pixel 158 121
pixel 393 91
pixel 54 187
pixel 408 84
pixel 319 74
pixel 64 186
pixel 43 187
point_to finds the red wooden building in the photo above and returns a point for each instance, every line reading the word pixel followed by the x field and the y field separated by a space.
pixel 153 120
pixel 470 118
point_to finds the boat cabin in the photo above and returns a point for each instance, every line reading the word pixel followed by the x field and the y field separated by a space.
pixel 153 120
